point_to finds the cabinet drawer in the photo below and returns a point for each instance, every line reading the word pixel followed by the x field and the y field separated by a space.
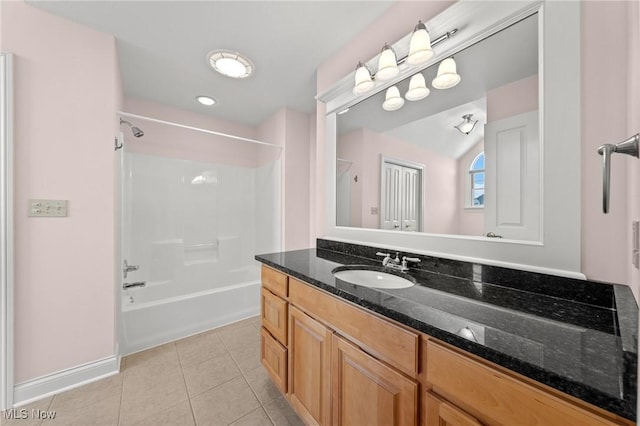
pixel 494 397
pixel 274 359
pixel 274 315
pixel 386 341
pixel 274 281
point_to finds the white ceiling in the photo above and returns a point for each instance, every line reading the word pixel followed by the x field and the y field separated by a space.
pixel 162 47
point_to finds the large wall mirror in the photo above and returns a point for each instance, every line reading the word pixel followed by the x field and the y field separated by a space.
pixel 461 161
pixel 408 179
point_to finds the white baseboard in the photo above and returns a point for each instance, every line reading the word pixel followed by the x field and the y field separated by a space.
pixel 42 387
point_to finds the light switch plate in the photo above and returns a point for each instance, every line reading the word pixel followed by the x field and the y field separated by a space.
pixel 48 208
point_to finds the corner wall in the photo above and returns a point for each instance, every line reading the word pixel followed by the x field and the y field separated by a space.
pixel 66 91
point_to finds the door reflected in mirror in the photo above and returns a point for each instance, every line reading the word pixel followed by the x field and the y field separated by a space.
pixel 460 161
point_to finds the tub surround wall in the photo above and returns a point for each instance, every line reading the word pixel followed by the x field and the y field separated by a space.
pixel 67 89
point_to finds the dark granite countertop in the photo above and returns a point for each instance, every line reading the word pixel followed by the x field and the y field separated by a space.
pixel 577 336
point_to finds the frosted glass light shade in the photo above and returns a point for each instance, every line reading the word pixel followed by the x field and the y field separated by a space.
pixel 420 50
pixel 363 81
pixel 387 64
pixel 447 75
pixel 417 88
pixel 393 101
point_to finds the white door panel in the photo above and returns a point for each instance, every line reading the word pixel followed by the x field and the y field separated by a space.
pixel 401 200
pixel 512 189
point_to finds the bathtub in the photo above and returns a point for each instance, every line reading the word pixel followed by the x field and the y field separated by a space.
pixel 152 323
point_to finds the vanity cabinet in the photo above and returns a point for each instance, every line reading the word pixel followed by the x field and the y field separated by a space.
pixel 340 364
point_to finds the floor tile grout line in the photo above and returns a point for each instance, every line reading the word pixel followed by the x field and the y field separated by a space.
pixel 186 388
pixel 124 377
pixel 250 387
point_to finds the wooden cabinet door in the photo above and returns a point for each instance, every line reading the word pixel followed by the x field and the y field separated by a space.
pixel 309 368
pixel 368 392
pixel 273 311
pixel 273 357
pixel 439 412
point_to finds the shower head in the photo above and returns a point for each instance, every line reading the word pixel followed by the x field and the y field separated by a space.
pixel 137 131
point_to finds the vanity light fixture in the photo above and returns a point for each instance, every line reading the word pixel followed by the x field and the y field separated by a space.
pixel 230 64
pixel 447 76
pixel 206 100
pixel 363 83
pixel 392 101
pixel 420 50
pixel 387 64
pixel 467 124
pixel 417 88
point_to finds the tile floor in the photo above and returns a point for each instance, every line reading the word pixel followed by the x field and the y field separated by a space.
pixel 213 378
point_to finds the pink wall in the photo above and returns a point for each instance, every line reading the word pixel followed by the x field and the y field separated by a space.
pixel 604 120
pixel 512 99
pixel 66 88
pixel 290 129
pixel 440 212
pixel 169 141
pixel 349 147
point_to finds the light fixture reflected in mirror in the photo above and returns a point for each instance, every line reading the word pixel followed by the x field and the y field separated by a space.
pixel 417 88
pixel 393 101
pixel 420 50
pixel 387 64
pixel 363 81
pixel 467 124
pixel 447 76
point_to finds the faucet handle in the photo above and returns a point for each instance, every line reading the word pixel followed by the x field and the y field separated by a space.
pixel 410 259
pixel 383 254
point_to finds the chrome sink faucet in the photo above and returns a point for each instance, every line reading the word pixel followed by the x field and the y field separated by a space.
pixel 395 263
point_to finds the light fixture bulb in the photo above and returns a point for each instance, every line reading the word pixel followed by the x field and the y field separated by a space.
pixel 467 124
pixel 392 101
pixel 417 88
pixel 420 50
pixel 387 64
pixel 447 75
pixel 363 81
pixel 206 100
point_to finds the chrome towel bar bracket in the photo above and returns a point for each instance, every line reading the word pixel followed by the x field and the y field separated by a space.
pixel 629 147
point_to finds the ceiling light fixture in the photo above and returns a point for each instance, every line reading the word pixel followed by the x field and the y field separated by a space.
pixel 205 100
pixel 420 50
pixel 230 64
pixel 467 125
pixel 417 88
pixel 363 82
pixel 393 101
pixel 387 64
pixel 448 76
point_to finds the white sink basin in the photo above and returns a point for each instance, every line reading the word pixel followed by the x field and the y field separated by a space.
pixel 375 279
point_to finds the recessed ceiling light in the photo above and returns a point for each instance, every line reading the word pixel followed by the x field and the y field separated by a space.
pixel 206 100
pixel 231 64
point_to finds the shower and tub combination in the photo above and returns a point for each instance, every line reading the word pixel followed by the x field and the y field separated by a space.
pixel 190 226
